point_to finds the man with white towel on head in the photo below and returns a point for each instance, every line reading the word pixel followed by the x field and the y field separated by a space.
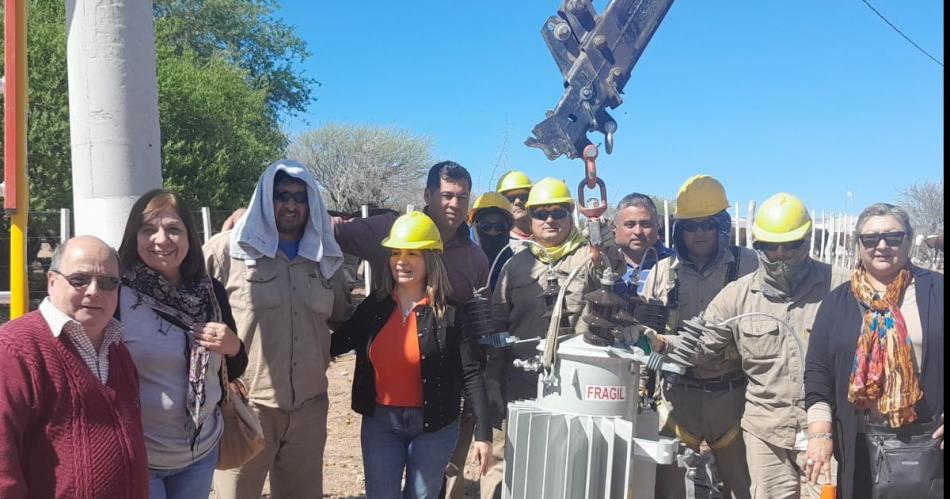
pixel 279 266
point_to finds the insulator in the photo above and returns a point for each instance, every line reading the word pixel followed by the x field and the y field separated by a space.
pixel 652 314
pixel 478 310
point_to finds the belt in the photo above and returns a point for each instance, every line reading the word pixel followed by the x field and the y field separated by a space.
pixel 712 385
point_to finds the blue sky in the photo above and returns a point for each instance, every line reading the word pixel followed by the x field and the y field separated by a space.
pixel 808 97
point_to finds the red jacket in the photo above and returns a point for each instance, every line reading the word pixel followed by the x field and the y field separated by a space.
pixel 62 433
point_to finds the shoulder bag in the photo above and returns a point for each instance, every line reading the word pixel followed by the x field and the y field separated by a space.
pixel 905 462
pixel 243 437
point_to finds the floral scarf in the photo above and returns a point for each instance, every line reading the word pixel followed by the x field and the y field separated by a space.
pixel 185 306
pixel 883 368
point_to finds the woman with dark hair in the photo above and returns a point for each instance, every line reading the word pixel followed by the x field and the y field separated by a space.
pixel 413 362
pixel 875 355
pixel 179 329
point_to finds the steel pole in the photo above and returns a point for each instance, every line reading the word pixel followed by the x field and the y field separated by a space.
pixel 17 195
pixel 113 111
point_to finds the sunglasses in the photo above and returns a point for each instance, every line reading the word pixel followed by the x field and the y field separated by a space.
pixel 286 196
pixel 892 239
pixel 789 246
pixel 542 215
pixel 80 280
pixel 492 227
pixel 705 225
pixel 523 197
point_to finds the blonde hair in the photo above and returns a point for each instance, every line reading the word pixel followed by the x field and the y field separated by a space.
pixel 437 285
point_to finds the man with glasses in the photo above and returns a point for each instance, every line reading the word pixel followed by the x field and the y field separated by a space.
pixel 492 219
pixel 518 302
pixel 515 186
pixel 766 317
pixel 70 422
pixel 705 405
pixel 279 266
pixel 636 228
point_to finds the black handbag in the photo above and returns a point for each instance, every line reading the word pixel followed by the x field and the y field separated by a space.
pixel 905 462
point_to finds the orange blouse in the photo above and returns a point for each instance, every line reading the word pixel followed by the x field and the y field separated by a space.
pixel 394 354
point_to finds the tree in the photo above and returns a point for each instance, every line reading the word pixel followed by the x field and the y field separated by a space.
pixel 246 34
pixel 924 202
pixel 360 165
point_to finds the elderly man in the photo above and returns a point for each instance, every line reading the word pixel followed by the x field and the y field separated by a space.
pixel 765 317
pixel 279 266
pixel 70 423
pixel 706 403
pixel 636 228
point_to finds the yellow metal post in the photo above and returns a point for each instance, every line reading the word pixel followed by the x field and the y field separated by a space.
pixel 19 283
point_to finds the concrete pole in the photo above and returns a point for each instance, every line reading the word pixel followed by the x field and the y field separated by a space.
pixel 64 225
pixel 824 230
pixel 666 223
pixel 113 111
pixel 811 244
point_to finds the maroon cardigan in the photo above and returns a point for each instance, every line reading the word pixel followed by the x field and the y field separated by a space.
pixel 62 433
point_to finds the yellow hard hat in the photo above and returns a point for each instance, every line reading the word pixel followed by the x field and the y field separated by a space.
pixel 700 196
pixel 781 218
pixel 512 181
pixel 414 231
pixel 490 200
pixel 549 191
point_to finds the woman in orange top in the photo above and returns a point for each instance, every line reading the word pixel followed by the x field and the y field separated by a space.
pixel 413 361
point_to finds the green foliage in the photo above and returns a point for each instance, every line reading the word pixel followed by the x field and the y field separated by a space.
pixel 226 73
pixel 244 33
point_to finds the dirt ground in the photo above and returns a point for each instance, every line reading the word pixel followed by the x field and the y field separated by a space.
pixel 343 466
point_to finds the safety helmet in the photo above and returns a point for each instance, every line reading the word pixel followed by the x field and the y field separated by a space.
pixel 414 231
pixel 512 181
pixel 781 218
pixel 700 196
pixel 549 191
pixel 490 200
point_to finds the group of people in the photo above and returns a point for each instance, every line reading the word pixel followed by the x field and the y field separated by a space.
pixel 113 388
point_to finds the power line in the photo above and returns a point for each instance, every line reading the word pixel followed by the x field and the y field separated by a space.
pixel 901 32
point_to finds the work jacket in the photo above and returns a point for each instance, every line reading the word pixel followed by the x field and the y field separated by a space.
pixel 694 289
pixel 450 363
pixel 281 308
pixel 770 356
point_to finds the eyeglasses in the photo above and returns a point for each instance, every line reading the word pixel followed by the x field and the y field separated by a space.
pixel 789 246
pixel 892 239
pixel 80 280
pixel 286 196
pixel 705 225
pixel 492 227
pixel 557 214
pixel 523 197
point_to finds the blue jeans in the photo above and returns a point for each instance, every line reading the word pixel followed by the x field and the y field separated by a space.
pixel 191 481
pixel 393 441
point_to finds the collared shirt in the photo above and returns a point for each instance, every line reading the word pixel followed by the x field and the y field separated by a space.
pixel 635 277
pixel 771 359
pixel 696 289
pixel 281 308
pixel 98 362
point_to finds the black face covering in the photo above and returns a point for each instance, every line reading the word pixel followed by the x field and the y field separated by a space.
pixel 786 275
pixel 492 245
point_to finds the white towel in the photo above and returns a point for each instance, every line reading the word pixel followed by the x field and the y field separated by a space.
pixel 255 233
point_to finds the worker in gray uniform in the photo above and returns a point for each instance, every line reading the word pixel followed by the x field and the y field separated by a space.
pixel 706 403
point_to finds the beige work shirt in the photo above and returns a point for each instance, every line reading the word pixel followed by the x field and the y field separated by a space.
pixel 775 397
pixel 281 308
pixel 697 288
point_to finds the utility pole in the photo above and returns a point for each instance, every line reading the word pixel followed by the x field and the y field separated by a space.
pixel 113 111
